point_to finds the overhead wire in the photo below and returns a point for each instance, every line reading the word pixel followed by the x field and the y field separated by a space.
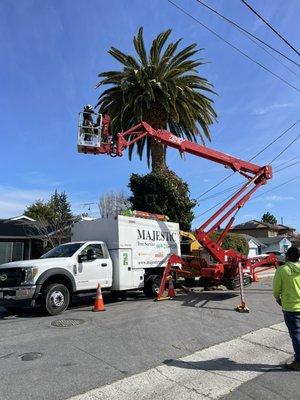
pixel 275 140
pixel 235 47
pixel 277 187
pixel 251 37
pixel 285 149
pixel 262 66
pixel 287 166
pixel 231 188
pixel 254 197
pixel 287 161
pixel 252 158
pixel 270 26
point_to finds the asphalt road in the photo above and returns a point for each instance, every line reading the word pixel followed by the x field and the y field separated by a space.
pixel 131 336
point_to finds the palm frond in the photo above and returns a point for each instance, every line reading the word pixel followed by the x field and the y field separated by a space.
pixel 162 87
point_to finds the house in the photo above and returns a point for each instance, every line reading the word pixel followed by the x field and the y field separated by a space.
pixel 256 246
pixel 278 243
pixel 259 229
pixel 23 238
pixel 19 239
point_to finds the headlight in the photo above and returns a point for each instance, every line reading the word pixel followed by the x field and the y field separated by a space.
pixel 29 274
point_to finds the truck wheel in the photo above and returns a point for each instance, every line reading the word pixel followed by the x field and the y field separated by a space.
pixel 56 299
pixel 152 285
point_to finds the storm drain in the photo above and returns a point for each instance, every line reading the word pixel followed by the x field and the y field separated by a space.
pixel 30 356
pixel 67 323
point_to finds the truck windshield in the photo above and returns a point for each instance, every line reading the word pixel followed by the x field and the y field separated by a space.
pixel 64 250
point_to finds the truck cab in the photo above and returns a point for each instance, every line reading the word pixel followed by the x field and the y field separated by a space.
pixel 51 280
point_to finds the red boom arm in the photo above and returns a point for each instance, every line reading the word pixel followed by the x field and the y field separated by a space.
pixel 255 175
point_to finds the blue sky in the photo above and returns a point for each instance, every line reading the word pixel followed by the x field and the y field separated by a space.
pixel 51 52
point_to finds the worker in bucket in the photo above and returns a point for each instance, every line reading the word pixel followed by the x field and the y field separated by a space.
pixel 88 123
pixel 286 290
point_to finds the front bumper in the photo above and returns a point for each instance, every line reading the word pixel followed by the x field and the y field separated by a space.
pixel 18 296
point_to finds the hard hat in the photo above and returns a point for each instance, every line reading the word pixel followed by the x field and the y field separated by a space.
pixel 88 107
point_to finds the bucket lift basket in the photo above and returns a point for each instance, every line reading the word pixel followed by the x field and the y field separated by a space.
pixel 89 135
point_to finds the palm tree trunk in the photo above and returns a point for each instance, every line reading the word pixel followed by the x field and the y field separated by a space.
pixel 157 150
pixel 158 156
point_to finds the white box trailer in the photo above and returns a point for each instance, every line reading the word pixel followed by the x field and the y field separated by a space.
pixel 139 248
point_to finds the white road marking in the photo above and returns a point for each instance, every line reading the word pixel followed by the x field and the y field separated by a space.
pixel 207 374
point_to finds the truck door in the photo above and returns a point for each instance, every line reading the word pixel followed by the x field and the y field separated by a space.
pixel 95 270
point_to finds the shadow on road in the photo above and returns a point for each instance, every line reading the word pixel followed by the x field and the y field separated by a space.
pixel 77 304
pixel 223 364
pixel 202 299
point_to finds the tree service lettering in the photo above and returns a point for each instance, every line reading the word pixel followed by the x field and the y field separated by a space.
pixel 156 235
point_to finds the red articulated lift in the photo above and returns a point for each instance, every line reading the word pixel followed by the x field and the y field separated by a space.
pixel 229 268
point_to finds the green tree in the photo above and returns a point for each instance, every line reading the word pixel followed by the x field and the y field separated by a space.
pixel 269 218
pixel 233 241
pixel 162 88
pixel 53 218
pixel 60 207
pixel 57 209
pixel 39 210
pixel 163 192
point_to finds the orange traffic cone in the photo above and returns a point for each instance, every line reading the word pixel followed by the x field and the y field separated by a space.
pixel 171 290
pixel 99 304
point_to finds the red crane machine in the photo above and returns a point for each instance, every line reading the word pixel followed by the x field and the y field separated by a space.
pixel 228 266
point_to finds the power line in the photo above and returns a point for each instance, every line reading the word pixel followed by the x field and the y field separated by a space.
pixel 275 140
pixel 257 154
pixel 211 208
pixel 289 145
pixel 277 187
pixel 288 166
pixel 231 188
pixel 250 35
pixel 234 47
pixel 214 186
pixel 270 26
pixel 262 194
pixel 287 161
pixel 221 192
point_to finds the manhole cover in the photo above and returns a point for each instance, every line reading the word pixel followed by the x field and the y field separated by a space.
pixel 30 356
pixel 67 323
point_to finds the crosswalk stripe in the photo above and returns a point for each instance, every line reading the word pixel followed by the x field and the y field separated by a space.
pixel 207 374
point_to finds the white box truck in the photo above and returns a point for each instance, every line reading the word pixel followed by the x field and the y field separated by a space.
pixel 121 254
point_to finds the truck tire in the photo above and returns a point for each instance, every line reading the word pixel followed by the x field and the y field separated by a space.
pixel 152 285
pixel 56 299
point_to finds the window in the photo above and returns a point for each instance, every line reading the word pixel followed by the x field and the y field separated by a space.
pixel 64 250
pixel 97 249
pixel 11 251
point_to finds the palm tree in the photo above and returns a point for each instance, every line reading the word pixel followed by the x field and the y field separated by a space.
pixel 162 88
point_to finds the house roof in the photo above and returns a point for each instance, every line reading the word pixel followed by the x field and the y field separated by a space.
pixel 254 224
pixel 272 240
pixel 18 228
pixel 21 217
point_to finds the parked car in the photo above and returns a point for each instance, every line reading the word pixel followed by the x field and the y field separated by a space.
pixel 280 256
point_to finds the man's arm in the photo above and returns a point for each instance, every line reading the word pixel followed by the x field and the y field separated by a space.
pixel 277 286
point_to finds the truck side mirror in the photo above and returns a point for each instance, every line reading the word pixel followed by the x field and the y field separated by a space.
pixel 82 257
pixel 91 255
